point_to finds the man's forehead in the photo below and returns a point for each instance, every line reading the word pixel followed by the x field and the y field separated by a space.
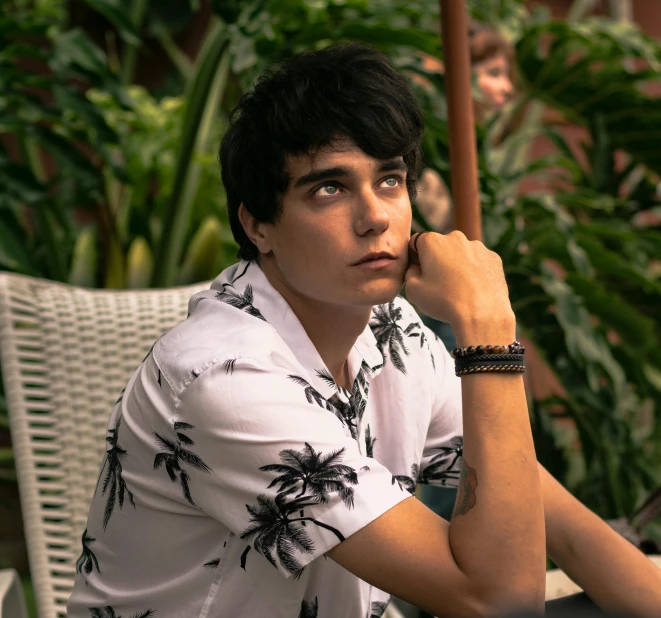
pixel 341 152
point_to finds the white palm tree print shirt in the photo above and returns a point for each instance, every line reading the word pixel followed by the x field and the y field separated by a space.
pixel 234 462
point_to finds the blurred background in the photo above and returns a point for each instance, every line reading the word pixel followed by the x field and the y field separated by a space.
pixel 111 113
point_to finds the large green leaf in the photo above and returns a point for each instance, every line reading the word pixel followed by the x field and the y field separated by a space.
pixel 585 73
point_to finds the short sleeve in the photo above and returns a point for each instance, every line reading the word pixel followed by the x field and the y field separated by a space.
pixel 441 460
pixel 274 463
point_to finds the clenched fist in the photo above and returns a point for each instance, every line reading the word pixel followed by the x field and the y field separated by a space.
pixel 460 281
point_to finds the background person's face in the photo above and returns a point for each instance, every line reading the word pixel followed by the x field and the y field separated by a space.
pixel 329 224
pixel 493 81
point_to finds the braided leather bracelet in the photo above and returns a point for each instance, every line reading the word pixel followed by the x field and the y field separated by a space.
pixel 491 368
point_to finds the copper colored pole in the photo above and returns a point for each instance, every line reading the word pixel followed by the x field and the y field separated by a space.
pixel 463 158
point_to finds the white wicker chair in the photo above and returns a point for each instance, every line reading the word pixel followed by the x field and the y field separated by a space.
pixel 66 353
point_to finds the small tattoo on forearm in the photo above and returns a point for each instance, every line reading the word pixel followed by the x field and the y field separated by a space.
pixel 466 497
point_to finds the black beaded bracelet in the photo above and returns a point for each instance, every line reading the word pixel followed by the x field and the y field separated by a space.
pixel 482 350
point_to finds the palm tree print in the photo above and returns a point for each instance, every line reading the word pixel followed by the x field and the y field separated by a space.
pixel 389 334
pixel 415 330
pixel 444 466
pixel 408 482
pixel 242 302
pixel 87 560
pixel 369 442
pixel 351 412
pixel 313 473
pixel 378 608
pixel 175 455
pixel 212 564
pixel 109 612
pixel 326 376
pixel 277 525
pixel 311 393
pixel 309 609
pixel 113 483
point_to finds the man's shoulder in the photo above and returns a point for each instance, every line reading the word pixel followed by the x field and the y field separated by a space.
pixel 212 333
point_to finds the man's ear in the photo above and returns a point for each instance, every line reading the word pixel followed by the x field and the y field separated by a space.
pixel 256 231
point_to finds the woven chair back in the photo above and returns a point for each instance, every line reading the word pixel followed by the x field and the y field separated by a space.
pixel 66 353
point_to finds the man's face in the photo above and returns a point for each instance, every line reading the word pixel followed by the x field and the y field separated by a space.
pixel 341 206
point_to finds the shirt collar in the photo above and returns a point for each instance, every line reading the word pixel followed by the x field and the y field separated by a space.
pixel 249 281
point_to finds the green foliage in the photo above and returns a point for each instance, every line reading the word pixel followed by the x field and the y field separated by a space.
pixel 102 180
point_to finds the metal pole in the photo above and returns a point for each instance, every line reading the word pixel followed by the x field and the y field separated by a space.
pixel 463 158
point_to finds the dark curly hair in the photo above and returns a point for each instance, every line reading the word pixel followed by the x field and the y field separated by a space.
pixel 307 102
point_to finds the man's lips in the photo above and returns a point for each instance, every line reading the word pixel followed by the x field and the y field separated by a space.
pixel 374 257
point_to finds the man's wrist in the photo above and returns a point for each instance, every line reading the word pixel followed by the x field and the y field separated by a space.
pixel 496 329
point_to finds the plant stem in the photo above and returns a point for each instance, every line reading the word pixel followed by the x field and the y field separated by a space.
pixel 130 56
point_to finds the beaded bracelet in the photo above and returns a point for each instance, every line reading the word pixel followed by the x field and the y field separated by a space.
pixel 480 350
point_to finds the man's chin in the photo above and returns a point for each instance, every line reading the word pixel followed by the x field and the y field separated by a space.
pixel 380 292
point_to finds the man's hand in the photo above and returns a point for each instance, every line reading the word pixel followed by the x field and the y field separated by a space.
pixel 459 281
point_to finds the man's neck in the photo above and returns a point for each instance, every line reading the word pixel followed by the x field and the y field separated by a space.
pixel 333 329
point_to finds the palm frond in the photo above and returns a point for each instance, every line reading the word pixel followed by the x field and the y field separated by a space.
pixel 229 365
pixel 110 503
pixel 212 564
pixel 193 460
pixel 287 554
pixel 184 439
pixel 248 295
pixel 165 443
pixel 180 425
pixel 299 538
pixel 347 494
pixel 396 359
pixel 378 609
pixel 183 479
pixel 170 465
pixel 325 375
pixel 160 459
pixel 298 380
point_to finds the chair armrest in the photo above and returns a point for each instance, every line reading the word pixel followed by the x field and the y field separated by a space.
pixel 12 601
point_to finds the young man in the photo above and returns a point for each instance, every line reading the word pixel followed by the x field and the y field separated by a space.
pixel 262 458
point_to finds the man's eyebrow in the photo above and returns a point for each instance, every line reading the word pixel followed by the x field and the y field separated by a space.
pixel 342 171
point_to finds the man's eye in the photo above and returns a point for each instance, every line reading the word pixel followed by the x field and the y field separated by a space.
pixel 394 181
pixel 330 189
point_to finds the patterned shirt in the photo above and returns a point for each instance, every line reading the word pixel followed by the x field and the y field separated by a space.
pixel 235 462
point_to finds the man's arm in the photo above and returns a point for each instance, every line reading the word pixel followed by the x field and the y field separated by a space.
pixel 491 557
pixel 614 574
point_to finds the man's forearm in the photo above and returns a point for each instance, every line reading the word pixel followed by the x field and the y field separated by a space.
pixel 497 530
pixel 614 574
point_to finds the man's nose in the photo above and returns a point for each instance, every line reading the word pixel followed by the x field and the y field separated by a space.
pixel 371 214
